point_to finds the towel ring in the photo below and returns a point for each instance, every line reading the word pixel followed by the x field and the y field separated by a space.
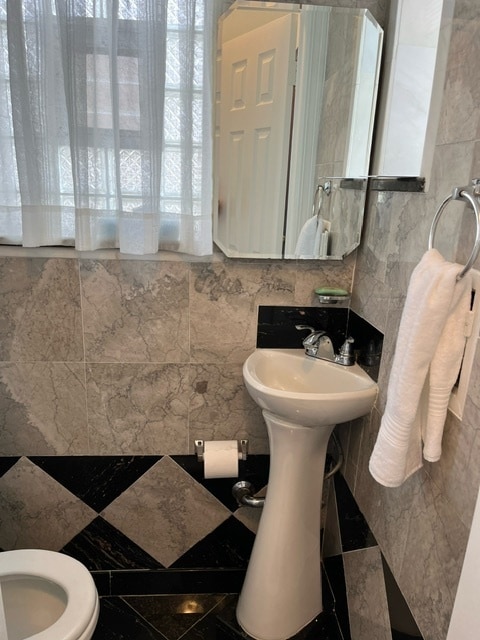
pixel 459 194
pixel 317 198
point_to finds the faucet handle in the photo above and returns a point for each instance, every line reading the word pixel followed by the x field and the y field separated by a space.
pixel 312 340
pixel 307 327
pixel 346 353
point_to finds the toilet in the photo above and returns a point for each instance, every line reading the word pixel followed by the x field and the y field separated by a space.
pixel 46 595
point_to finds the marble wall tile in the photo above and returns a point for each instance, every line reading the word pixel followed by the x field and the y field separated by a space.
pixel 421 536
pixel 460 118
pixel 432 560
pixel 40 310
pixel 158 512
pixel 457 473
pixel 138 408
pixel 367 597
pixel 466 9
pixel 356 430
pixel 36 511
pixel 135 311
pixel 394 313
pixel 42 408
pixel 386 510
pixel 370 299
pixel 379 225
pixel 221 408
pixel 309 275
pixel 471 412
pixel 223 306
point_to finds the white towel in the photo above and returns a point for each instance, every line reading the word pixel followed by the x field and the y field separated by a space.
pixel 309 239
pixel 444 369
pixel 434 308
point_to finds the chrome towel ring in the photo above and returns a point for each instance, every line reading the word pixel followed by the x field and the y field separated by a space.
pixel 470 195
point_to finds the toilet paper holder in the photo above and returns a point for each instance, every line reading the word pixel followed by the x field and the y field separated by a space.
pixel 242 449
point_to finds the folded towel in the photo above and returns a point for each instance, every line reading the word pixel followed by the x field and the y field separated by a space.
pixel 434 297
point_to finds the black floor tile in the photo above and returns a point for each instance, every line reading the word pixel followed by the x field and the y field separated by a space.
pixel 100 546
pixel 7 463
pixel 97 480
pixel 209 627
pixel 354 530
pixel 323 627
pixel 229 545
pixel 335 575
pixel 189 617
pixel 173 616
pixel 118 621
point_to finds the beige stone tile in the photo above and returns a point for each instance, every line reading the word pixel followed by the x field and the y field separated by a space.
pixel 221 409
pixel 370 299
pixel 250 517
pixel 40 310
pixel 166 512
pixel 366 594
pixel 471 413
pixel 36 511
pixel 457 473
pixel 224 299
pixel 43 410
pixel 385 509
pixel 138 408
pixel 135 311
pixel 311 274
pixel 461 98
pixel 432 560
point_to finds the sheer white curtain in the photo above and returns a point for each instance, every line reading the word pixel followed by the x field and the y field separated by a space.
pixel 105 124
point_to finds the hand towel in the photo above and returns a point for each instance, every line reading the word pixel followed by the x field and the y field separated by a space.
pixel 308 243
pixel 306 239
pixel 433 295
pixel 444 369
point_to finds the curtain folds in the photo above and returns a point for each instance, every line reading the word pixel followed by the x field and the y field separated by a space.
pixel 106 124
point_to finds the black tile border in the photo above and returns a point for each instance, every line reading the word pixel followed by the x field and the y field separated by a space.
pixel 168 581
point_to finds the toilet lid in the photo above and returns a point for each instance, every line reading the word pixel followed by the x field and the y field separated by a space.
pixel 67 573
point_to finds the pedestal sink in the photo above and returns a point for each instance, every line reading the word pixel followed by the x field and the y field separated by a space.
pixel 302 399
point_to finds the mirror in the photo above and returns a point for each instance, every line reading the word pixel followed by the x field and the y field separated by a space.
pixel 296 93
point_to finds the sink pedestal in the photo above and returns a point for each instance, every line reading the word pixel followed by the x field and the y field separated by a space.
pixel 282 591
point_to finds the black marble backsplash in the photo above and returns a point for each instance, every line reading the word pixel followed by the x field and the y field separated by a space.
pixel 276 330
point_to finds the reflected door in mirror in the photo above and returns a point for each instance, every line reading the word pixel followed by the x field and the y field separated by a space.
pixel 255 113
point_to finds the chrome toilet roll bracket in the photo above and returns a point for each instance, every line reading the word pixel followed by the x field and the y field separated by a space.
pixel 242 449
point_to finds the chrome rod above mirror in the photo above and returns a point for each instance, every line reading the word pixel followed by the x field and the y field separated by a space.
pixel 296 92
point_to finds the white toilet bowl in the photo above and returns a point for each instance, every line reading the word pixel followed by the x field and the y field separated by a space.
pixel 46 595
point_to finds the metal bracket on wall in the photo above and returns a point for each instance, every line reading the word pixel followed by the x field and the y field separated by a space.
pixel 242 449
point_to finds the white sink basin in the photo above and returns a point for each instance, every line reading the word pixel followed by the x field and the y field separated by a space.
pixel 307 391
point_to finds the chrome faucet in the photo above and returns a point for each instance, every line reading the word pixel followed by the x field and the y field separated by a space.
pixel 319 345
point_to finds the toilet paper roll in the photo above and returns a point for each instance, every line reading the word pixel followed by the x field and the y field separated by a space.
pixel 220 459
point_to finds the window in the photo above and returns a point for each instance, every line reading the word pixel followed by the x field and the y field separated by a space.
pixel 105 126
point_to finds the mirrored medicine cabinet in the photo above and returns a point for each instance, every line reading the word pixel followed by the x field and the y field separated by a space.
pixel 296 93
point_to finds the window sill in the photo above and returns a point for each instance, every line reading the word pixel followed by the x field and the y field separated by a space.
pixel 10 251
